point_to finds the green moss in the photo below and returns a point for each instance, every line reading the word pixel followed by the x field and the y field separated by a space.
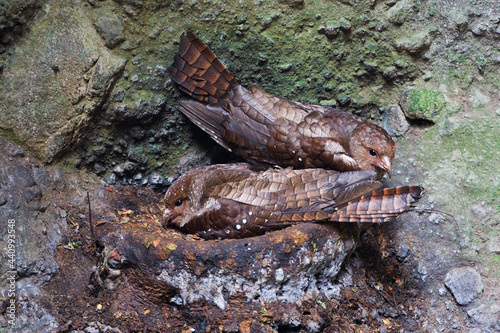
pixel 423 103
pixel 269 44
pixel 462 170
pixel 493 263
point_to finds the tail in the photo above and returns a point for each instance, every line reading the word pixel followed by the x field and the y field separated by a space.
pixel 198 72
pixel 380 206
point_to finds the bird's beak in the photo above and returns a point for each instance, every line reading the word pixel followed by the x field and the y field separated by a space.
pixel 385 165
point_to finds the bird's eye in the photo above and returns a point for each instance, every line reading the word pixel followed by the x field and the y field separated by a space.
pixel 372 152
pixel 178 203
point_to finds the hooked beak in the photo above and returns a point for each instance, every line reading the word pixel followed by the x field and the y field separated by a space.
pixel 385 165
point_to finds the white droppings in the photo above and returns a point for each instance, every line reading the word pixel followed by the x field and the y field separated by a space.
pixel 300 159
pixel 293 152
pixel 244 221
pixel 238 226
pixel 279 275
pixel 209 230
pixel 227 231
pixel 250 213
pixel 266 220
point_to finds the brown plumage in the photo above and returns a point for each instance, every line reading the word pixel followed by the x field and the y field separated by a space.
pixel 238 200
pixel 256 125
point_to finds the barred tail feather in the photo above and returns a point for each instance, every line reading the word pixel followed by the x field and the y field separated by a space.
pixel 380 206
pixel 198 72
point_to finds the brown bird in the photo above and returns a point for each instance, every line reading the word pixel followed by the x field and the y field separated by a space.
pixel 239 200
pixel 256 125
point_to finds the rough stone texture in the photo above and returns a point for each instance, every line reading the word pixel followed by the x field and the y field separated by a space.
pixel 464 283
pixel 37 229
pixel 417 43
pixel 487 315
pixel 421 103
pixel 293 265
pixel 52 86
pixel 395 122
pixel 16 13
pixel 110 28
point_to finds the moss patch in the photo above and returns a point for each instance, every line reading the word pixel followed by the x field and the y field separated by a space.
pixel 421 103
pixel 461 171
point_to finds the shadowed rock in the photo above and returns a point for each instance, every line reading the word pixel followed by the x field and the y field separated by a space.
pixel 53 85
pixel 293 265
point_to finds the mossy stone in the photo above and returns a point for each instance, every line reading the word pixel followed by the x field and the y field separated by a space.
pixel 421 103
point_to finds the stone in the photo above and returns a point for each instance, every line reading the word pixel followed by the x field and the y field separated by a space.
pixel 403 252
pixel 479 28
pixel 447 126
pixel 17 12
pixel 52 87
pixel 20 199
pixel 283 265
pixel 332 29
pixel 131 7
pixel 464 283
pixel 193 160
pixel 294 3
pixel 398 13
pixel 345 24
pixel 99 169
pixel 422 103
pixel 494 245
pixel 110 28
pixel 415 44
pixel 343 99
pixel 156 180
pixel 137 154
pixel 143 109
pixel 487 315
pixel 3 199
pixel 389 73
pixel 285 67
pixel 479 99
pixel 119 170
pixel 395 122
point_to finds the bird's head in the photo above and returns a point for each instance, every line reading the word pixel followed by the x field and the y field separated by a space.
pixel 373 148
pixel 182 200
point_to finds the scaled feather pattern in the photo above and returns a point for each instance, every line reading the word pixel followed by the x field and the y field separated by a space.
pixel 240 200
pixel 269 129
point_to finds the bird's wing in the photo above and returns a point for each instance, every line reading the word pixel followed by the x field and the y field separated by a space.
pixel 208 118
pixel 229 219
pixel 288 191
pixel 311 143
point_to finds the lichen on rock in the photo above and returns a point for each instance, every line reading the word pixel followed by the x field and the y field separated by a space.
pixel 59 78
